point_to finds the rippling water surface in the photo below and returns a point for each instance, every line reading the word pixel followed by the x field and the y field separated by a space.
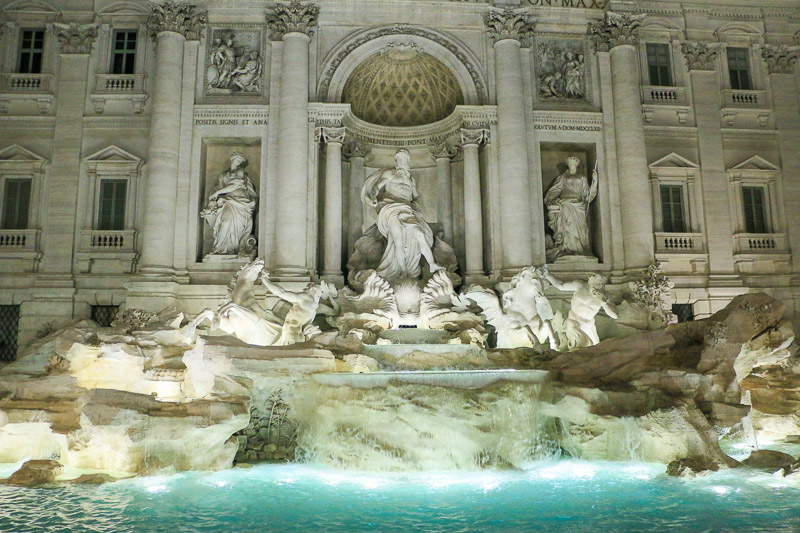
pixel 569 496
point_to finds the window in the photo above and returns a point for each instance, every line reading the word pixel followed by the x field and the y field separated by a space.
pixel 9 332
pixel 684 312
pixel 739 69
pixel 112 205
pixel 672 209
pixel 658 64
pixel 123 55
pixel 754 210
pixel 16 203
pixel 31 51
pixel 104 315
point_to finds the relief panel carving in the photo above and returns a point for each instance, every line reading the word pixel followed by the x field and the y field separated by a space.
pixel 234 62
pixel 561 70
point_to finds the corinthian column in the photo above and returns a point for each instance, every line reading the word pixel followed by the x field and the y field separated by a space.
pixel 172 23
pixel 59 228
pixel 332 218
pixel 781 66
pixel 356 151
pixel 618 34
pixel 442 154
pixel 508 27
pixel 473 217
pixel 294 24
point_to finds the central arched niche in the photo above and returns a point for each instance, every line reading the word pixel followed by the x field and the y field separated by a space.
pixel 402 86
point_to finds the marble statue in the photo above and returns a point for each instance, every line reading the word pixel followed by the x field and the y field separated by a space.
pixel 246 77
pixel 567 201
pixel 240 314
pixel 230 209
pixel 304 304
pixel 523 317
pixel 579 330
pixel 393 194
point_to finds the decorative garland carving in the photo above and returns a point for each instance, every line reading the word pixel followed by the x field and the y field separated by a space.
pixel 508 24
pixel 779 59
pixel 294 17
pixel 333 135
pixel 180 18
pixel 616 30
pixel 76 38
pixel 700 56
pixel 399 29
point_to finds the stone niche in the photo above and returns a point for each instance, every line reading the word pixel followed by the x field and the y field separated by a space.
pixel 553 164
pixel 216 159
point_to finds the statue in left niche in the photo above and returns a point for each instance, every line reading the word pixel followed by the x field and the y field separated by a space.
pixel 229 210
pixel 288 322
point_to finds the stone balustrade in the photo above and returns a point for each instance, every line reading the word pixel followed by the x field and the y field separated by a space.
pixel 760 243
pixel 119 83
pixel 19 240
pixel 679 243
pixel 652 94
pixel 13 82
pixel 739 98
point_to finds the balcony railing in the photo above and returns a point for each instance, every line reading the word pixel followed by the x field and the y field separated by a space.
pixel 119 83
pixel 19 240
pixel 738 98
pixel 652 94
pixel 107 241
pixel 760 243
pixel 679 243
pixel 12 82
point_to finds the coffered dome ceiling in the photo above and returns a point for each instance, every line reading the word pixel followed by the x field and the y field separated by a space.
pixel 402 86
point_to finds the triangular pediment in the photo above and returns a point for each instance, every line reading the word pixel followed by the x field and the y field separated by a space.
pixel 16 152
pixel 674 160
pixel 756 163
pixel 113 154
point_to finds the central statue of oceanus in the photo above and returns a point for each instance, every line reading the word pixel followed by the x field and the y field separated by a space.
pixel 401 238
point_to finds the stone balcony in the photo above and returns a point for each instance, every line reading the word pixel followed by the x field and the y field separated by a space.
pixel 761 253
pixel 20 250
pixel 658 100
pixel 107 251
pixel 119 87
pixel 32 87
pixel 760 243
pixel 681 253
pixel 749 104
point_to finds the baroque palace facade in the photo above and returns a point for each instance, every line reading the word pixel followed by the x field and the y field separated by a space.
pixel 149 149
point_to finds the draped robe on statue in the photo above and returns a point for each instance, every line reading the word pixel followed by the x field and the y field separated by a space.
pixel 567 203
pixel 231 213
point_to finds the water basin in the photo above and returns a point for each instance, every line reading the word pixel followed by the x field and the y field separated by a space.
pixel 456 379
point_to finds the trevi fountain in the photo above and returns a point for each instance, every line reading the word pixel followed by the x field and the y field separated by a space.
pixel 453 245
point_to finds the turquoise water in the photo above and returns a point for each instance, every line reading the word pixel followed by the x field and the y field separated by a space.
pixel 573 496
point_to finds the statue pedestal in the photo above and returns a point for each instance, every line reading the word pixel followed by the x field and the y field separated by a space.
pixel 575 263
pixel 225 259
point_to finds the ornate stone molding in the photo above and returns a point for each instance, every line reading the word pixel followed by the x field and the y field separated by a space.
pixel 294 17
pixel 616 30
pixel 180 18
pixel 700 56
pixel 779 59
pixel 333 135
pixel 508 24
pixel 443 150
pixel 76 38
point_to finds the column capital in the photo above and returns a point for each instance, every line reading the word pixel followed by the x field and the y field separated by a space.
pixel 333 135
pixel 474 136
pixel 76 38
pixel 356 148
pixel 443 151
pixel 615 30
pixel 779 59
pixel 700 56
pixel 292 17
pixel 508 23
pixel 180 18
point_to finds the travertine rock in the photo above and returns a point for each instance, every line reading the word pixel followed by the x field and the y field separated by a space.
pixel 36 472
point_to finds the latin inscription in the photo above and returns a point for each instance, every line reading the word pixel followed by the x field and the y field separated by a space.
pixel 566 127
pixel 588 4
pixel 230 122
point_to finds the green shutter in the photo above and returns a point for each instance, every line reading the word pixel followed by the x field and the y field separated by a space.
pixel 672 209
pixel 658 64
pixel 754 210
pixel 112 205
pixel 16 203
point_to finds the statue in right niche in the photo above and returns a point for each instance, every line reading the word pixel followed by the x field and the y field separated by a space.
pixel 567 201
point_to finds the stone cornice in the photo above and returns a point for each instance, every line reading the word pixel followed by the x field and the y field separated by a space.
pixel 294 17
pixel 616 30
pixel 508 23
pixel 779 59
pixel 76 38
pixel 700 56
pixel 180 18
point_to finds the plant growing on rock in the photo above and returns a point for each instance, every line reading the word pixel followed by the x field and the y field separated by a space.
pixel 652 292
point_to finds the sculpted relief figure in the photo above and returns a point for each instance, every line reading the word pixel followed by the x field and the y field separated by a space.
pixel 393 194
pixel 230 208
pixel 561 69
pixel 234 67
pixel 567 203
pixel 303 309
pixel 588 298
